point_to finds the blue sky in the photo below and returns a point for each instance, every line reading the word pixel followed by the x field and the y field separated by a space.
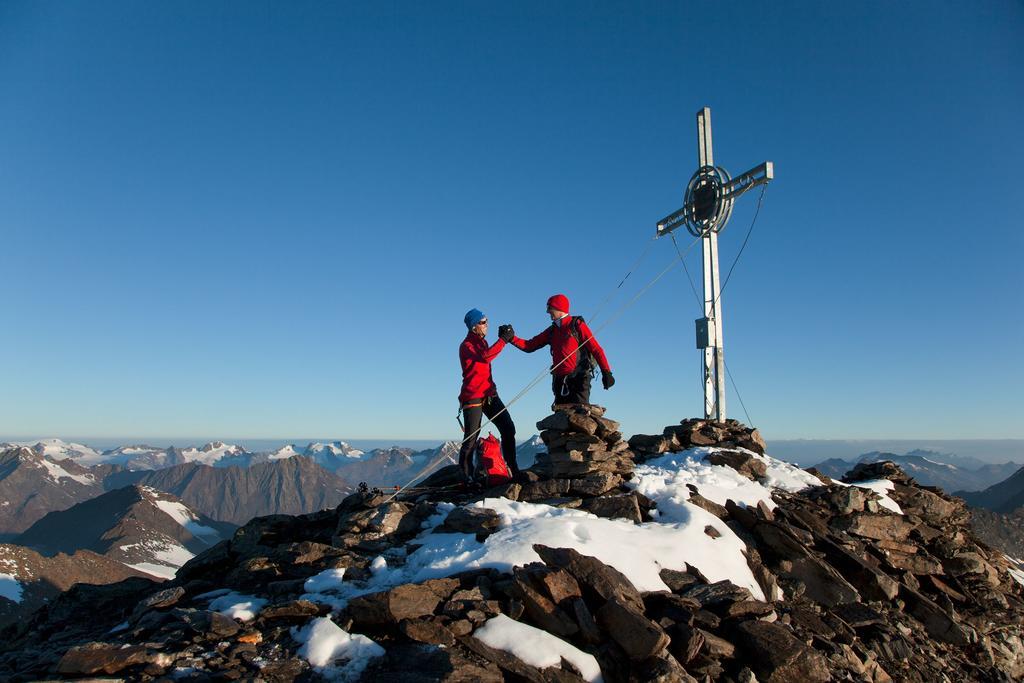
pixel 268 219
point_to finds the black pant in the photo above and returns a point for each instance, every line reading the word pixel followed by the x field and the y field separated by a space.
pixel 574 388
pixel 471 415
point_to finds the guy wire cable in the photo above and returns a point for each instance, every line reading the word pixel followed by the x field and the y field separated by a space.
pixel 750 423
pixel 693 288
pixel 742 247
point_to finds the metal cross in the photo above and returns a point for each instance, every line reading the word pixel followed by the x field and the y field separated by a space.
pixel 707 206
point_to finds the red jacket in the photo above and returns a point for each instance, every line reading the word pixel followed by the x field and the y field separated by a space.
pixel 564 345
pixel 475 357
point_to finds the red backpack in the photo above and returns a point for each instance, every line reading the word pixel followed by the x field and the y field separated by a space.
pixel 491 464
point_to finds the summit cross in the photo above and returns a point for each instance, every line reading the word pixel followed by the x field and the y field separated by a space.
pixel 707 206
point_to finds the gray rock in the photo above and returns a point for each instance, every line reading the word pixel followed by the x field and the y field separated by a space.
pixel 662 668
pixel 594 577
pixel 615 507
pixel 428 663
pixel 206 623
pixel 677 581
pixel 299 610
pixel 636 634
pixel 716 647
pixel 540 606
pixel 848 500
pixel 594 484
pixel 408 601
pixel 686 642
pixel 718 593
pixel 463 520
pixel 744 463
pixel 936 621
pixel 424 631
pixel 776 656
pixel 711 506
pixel 108 658
pixel 871 582
pixel 890 527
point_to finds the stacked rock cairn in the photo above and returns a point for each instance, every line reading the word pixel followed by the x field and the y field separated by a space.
pixel 696 432
pixel 583 445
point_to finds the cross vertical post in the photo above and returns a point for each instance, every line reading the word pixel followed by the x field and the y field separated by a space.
pixel 707 207
pixel 714 352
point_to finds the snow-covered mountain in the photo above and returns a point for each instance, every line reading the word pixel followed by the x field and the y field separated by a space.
pixel 215 453
pixel 526 452
pixel 32 484
pixel 57 449
pixel 331 456
pixel 386 467
pixel 141 456
pixel 145 529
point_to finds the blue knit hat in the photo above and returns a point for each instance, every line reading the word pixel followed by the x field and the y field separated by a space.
pixel 473 317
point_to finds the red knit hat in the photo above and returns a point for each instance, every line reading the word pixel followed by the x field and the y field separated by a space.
pixel 559 302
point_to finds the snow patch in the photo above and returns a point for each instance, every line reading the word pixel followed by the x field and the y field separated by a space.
pixel 652 546
pixel 10 588
pixel 56 473
pixel 666 478
pixel 327 580
pixel 211 453
pixel 536 647
pixel 166 557
pixel 238 606
pixel 185 517
pixel 284 453
pixel 324 643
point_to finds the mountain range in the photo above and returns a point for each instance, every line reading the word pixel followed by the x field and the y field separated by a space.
pixel 1005 496
pixel 646 560
pixel 237 494
pixel 224 482
pixel 951 473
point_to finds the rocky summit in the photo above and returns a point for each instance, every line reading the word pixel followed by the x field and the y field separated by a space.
pixel 685 556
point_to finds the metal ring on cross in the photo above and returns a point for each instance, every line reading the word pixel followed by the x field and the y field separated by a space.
pixel 710 210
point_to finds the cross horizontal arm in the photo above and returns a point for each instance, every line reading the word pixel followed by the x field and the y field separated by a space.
pixel 673 220
pixel 741 183
pixel 759 175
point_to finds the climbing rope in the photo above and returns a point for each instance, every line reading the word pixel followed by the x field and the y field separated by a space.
pixel 600 306
pixel 429 467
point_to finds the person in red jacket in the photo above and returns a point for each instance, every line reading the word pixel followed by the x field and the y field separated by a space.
pixel 575 352
pixel 479 395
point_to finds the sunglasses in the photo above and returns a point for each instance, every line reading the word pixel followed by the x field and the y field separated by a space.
pixel 482 322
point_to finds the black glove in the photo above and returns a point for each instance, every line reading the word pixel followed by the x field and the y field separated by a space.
pixel 607 381
pixel 506 333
